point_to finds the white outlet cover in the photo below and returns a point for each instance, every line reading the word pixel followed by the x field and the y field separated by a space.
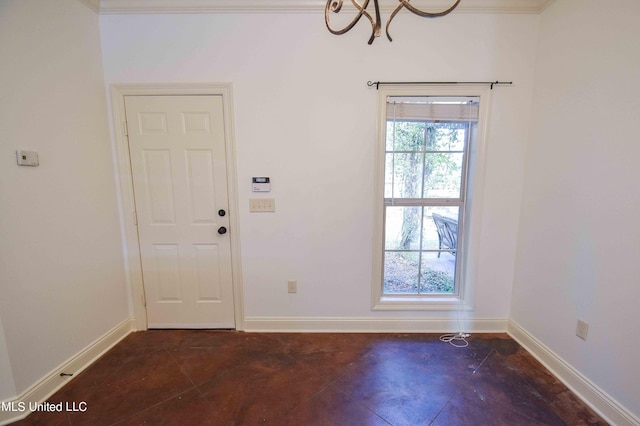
pixel 582 329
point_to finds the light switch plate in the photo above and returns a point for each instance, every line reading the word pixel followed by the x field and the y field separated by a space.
pixel 262 204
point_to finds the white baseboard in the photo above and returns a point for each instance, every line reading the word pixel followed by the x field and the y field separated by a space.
pixel 52 382
pixel 372 325
pixel 607 407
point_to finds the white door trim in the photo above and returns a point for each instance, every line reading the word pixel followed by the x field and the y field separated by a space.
pixel 131 247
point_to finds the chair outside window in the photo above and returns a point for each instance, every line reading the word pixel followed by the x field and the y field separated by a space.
pixel 447 233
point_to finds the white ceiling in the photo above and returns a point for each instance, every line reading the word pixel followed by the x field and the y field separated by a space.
pixel 301 6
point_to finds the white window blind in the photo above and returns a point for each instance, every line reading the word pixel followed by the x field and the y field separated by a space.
pixel 432 109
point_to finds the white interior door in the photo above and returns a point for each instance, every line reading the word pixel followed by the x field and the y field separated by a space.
pixel 177 149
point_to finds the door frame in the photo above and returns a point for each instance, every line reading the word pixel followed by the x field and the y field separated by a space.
pixel 131 244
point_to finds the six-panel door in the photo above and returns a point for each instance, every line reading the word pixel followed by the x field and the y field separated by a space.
pixel 177 149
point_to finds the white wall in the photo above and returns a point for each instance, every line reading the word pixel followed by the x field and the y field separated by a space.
pixel 305 117
pixel 7 385
pixel 578 245
pixel 62 281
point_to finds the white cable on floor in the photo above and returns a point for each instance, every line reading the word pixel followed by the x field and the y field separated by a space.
pixel 454 338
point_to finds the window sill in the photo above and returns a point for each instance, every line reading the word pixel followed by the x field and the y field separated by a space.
pixel 420 303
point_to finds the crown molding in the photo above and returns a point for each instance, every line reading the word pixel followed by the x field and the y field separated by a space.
pixel 92 4
pixel 302 6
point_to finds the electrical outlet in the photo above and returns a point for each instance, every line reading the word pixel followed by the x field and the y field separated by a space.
pixel 582 329
pixel 292 286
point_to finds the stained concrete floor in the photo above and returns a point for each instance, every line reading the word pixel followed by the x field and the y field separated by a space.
pixel 190 377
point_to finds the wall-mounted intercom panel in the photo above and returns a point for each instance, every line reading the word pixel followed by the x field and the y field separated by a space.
pixel 260 184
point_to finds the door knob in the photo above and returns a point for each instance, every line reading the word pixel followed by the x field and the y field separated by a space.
pixel 222 230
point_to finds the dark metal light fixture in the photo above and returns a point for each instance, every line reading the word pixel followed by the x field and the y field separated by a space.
pixel 335 6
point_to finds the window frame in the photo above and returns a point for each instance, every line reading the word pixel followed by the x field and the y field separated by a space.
pixel 470 216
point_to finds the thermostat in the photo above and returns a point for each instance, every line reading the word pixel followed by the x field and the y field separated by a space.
pixel 27 158
pixel 261 184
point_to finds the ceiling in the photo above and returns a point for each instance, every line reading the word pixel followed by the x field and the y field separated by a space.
pixel 302 6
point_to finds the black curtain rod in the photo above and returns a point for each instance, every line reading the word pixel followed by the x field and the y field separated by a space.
pixel 491 83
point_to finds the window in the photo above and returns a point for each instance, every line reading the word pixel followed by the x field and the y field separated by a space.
pixel 427 154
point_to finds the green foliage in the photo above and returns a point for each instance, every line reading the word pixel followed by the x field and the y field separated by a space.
pixel 401 276
pixel 436 282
